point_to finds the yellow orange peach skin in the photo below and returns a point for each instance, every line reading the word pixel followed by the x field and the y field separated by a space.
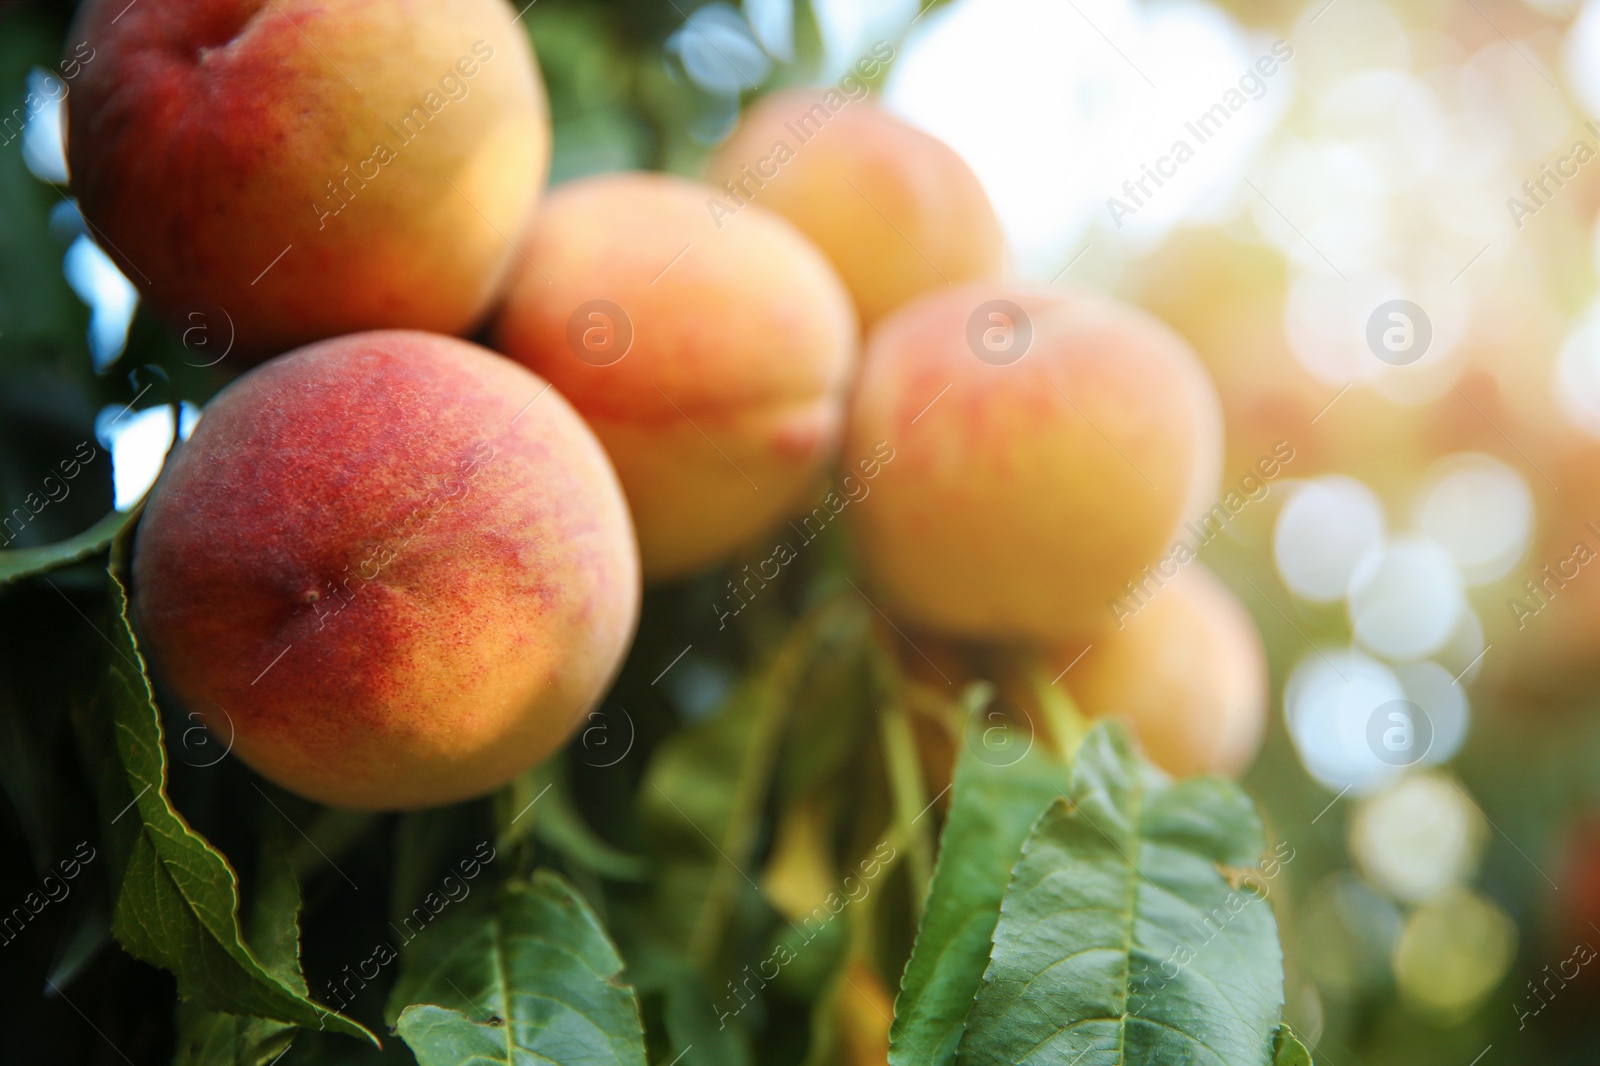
pixel 308 169
pixel 393 570
pixel 1188 672
pixel 1028 488
pixel 712 363
pixel 897 211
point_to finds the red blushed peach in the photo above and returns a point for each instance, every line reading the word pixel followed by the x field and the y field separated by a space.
pixel 1188 672
pixel 311 167
pixel 393 567
pixel 711 362
pixel 1047 447
pixel 896 210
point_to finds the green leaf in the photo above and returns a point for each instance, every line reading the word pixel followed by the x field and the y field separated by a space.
pixel 530 978
pixel 1287 1049
pixel 689 1012
pixel 26 562
pixel 996 796
pixel 1120 942
pixel 212 1038
pixel 274 924
pixel 706 789
pixel 835 706
pixel 175 898
pixel 560 825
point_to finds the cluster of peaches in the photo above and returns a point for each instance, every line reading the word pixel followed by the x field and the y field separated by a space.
pixel 401 567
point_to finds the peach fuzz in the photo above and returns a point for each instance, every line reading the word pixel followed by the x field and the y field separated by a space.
pixel 896 210
pixel 393 569
pixel 712 363
pixel 1188 672
pixel 1029 488
pixel 305 169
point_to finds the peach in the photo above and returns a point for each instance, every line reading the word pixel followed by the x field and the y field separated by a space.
pixel 1047 447
pixel 392 570
pixel 306 169
pixel 896 210
pixel 710 362
pixel 1187 671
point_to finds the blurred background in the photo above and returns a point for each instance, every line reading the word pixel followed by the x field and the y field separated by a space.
pixel 1377 225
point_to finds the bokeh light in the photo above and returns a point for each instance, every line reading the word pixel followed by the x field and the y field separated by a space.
pixel 1480 511
pixel 1406 598
pixel 1331 699
pixel 1436 691
pixel 138 442
pixel 1326 527
pixel 1418 837
pixel 111 297
pixel 1453 951
pixel 43 146
pixel 988 75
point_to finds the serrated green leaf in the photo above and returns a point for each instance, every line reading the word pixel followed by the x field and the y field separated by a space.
pixel 212 1038
pixel 1120 942
pixel 529 978
pixel 1287 1049
pixel 175 898
pixel 19 563
pixel 994 801
pixel 274 924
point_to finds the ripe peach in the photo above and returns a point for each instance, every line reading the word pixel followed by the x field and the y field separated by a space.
pixel 711 362
pixel 311 169
pixel 1047 445
pixel 896 210
pixel 393 569
pixel 1188 672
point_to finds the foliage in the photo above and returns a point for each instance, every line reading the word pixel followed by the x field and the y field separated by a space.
pixel 690 899
pixel 531 976
pixel 1027 885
